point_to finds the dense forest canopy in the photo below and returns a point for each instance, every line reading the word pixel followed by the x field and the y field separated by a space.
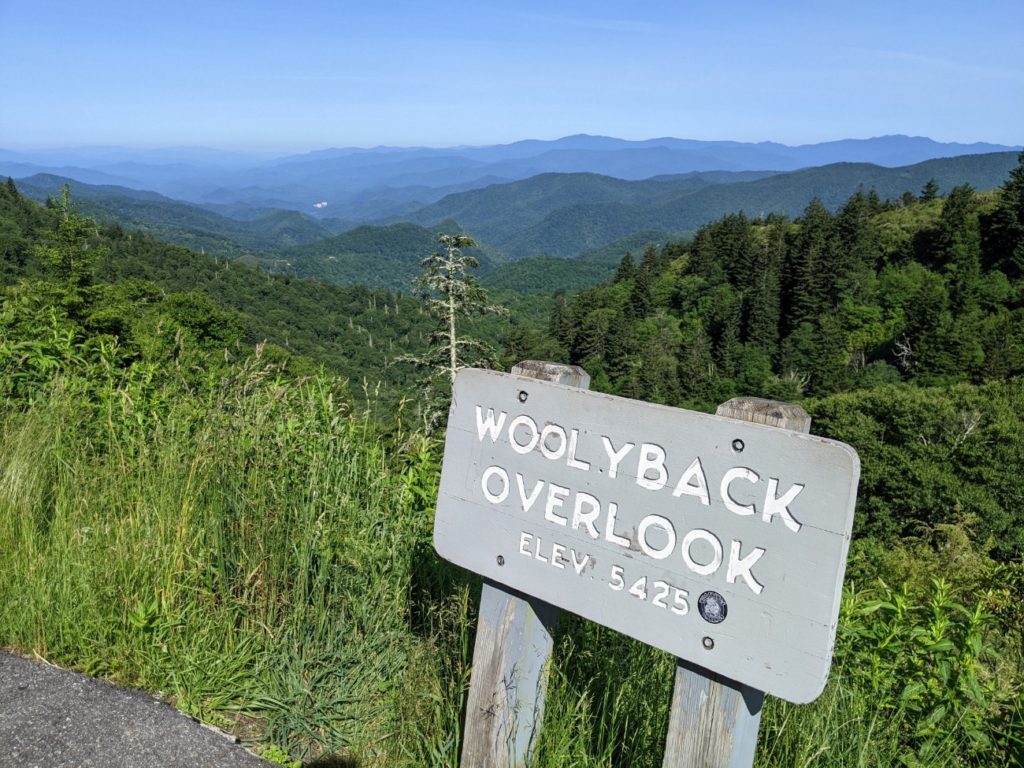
pixel 920 291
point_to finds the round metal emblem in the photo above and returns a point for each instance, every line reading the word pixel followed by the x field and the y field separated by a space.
pixel 712 607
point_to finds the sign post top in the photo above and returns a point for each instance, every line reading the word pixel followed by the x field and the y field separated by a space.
pixel 570 375
pixel 721 541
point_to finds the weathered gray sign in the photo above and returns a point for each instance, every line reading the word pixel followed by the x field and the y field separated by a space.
pixel 723 542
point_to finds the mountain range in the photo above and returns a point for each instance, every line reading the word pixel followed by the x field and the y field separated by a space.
pixel 525 228
pixel 363 185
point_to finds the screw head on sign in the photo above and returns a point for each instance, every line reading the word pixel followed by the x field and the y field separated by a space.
pixel 712 607
pixel 708 643
pixel 737 445
pixel 501 560
pixel 522 396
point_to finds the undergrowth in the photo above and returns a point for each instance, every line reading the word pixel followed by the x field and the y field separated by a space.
pixel 261 555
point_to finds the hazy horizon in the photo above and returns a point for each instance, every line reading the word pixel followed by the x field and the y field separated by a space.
pixel 300 150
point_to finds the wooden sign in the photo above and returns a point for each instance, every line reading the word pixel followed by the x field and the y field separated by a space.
pixel 720 541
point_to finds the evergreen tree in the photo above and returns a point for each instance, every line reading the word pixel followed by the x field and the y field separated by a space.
pixel 591 338
pixel 15 227
pixel 764 300
pixel 704 260
pixel 807 282
pixel 958 242
pixel 619 362
pixel 1003 229
pixel 560 326
pixel 929 192
pixel 875 202
pixel 640 295
pixel 735 248
pixel 651 261
pixel 725 330
pixel 1003 340
pixel 928 331
pixel 518 344
pixel 696 365
pixel 830 364
pixel 857 249
pixel 70 255
pixel 626 270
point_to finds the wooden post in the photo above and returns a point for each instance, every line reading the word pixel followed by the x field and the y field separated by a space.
pixel 713 721
pixel 505 705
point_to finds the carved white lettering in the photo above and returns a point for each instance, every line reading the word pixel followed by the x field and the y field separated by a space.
pixel 502 475
pixel 558 556
pixel 702 569
pixel 559 433
pixel 734 474
pixel 536 553
pixel 779 505
pixel 573 462
pixel 524 543
pixel 531 427
pixel 670 537
pixel 609 527
pixel 740 568
pixel 528 500
pixel 578 564
pixel 556 495
pixel 651 472
pixel 489 426
pixel 615 456
pixel 579 517
pixel 694 483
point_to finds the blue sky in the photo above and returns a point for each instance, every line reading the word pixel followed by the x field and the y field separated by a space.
pixel 299 75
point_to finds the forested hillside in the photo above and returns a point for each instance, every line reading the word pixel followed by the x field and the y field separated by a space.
pixel 142 294
pixel 181 223
pixel 565 214
pixel 383 257
pixel 921 291
pixel 499 212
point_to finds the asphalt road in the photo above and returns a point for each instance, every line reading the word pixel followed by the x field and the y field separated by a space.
pixel 51 718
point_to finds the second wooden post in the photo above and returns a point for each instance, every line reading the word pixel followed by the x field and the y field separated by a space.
pixel 714 721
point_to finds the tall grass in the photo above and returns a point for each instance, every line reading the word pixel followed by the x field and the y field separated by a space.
pixel 250 552
pixel 261 555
